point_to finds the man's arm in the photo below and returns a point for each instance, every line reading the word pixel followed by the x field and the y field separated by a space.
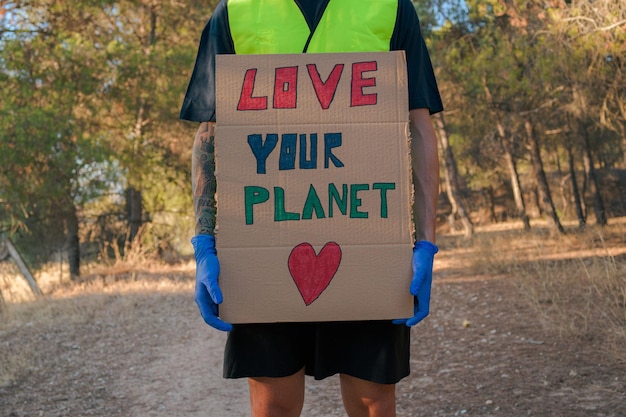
pixel 425 162
pixel 207 293
pixel 203 179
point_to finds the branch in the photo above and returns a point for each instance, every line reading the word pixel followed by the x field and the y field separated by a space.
pixel 19 31
pixel 621 22
pixel 602 29
pixel 539 108
pixel 569 19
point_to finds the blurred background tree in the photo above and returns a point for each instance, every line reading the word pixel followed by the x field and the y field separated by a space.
pixel 94 162
pixel 92 151
pixel 532 94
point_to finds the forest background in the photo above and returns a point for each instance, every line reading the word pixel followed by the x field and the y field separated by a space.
pixel 529 293
pixel 94 161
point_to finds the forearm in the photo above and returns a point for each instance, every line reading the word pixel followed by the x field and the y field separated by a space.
pixel 425 164
pixel 203 182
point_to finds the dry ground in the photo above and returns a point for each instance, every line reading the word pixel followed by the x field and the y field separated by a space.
pixel 133 345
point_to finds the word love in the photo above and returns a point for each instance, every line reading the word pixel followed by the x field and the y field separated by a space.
pixel 285 94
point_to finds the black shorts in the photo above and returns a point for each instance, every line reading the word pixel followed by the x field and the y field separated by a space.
pixel 376 351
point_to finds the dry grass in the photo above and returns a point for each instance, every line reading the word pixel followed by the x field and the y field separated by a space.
pixel 122 294
pixel 576 282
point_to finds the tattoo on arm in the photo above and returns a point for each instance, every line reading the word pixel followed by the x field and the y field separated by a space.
pixel 203 182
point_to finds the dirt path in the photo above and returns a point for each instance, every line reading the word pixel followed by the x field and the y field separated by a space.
pixel 503 364
pixel 146 353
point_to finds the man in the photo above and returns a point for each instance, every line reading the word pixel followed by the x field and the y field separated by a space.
pixel 370 357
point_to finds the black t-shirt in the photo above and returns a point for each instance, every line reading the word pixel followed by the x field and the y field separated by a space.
pixel 199 102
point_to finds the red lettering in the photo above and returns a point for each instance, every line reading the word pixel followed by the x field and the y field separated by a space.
pixel 358 98
pixel 325 90
pixel 246 101
pixel 285 87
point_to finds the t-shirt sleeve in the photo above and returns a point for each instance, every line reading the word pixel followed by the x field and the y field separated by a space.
pixel 407 36
pixel 199 102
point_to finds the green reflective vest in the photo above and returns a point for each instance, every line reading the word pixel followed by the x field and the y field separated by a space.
pixel 278 26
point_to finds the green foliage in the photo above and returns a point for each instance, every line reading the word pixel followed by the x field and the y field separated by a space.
pixel 91 92
pixel 92 88
pixel 505 62
pixel 45 131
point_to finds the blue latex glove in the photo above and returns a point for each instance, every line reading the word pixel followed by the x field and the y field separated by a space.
pixel 208 294
pixel 423 255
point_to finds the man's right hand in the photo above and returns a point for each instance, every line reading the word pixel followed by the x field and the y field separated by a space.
pixel 208 294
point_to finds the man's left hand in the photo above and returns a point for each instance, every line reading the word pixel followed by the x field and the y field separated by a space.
pixel 423 255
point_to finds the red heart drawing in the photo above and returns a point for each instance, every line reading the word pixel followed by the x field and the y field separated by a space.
pixel 312 273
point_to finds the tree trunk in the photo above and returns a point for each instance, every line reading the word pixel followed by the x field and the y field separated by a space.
pixel 488 201
pixel 545 197
pixel 452 177
pixel 582 219
pixel 516 185
pixel 134 212
pixel 12 251
pixel 520 204
pixel 73 243
pixel 594 185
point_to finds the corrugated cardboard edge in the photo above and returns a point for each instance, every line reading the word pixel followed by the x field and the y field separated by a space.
pixel 409 140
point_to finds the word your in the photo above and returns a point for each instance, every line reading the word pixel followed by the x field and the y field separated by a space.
pixel 286 87
pixel 288 149
pixel 347 201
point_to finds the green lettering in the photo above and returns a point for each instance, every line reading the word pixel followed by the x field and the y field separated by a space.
pixel 279 207
pixel 254 195
pixel 312 203
pixel 355 202
pixel 340 201
pixel 383 187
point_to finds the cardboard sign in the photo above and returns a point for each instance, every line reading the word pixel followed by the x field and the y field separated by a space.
pixel 314 190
